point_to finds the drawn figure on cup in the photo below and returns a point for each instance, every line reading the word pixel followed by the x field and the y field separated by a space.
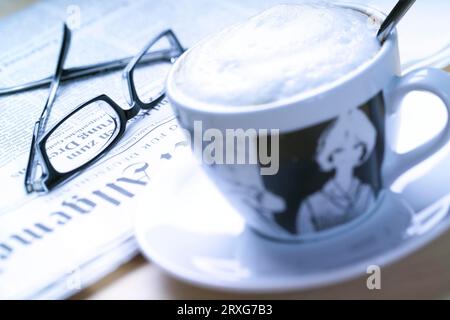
pixel 345 145
pixel 246 183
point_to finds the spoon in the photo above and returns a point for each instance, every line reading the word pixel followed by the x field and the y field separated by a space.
pixel 393 18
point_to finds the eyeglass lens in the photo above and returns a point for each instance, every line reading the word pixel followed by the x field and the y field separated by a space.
pixel 82 136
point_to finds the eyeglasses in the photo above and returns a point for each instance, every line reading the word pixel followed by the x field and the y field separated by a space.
pixel 94 127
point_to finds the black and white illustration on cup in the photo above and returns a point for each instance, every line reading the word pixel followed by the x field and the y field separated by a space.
pixel 344 146
pixel 245 183
pixel 329 175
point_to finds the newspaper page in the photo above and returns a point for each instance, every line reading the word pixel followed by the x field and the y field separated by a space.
pixel 51 246
pixel 52 240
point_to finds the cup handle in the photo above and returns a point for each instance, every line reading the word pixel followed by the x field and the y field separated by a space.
pixel 432 80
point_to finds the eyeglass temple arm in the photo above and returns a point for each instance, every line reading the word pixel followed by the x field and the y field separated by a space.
pixel 41 124
pixel 78 72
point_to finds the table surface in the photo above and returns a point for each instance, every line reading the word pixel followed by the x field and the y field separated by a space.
pixel 424 274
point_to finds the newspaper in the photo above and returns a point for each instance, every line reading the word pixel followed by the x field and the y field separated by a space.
pixel 48 243
pixel 54 245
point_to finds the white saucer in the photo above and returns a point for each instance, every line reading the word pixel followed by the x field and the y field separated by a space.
pixel 192 232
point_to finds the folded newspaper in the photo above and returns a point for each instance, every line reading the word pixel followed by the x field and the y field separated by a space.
pixel 54 245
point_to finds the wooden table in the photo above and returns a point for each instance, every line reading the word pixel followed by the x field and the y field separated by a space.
pixel 425 274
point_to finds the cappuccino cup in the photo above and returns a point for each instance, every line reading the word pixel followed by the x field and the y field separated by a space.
pixel 312 99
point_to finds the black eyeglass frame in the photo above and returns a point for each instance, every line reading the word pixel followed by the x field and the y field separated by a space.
pixel 131 95
pixel 52 177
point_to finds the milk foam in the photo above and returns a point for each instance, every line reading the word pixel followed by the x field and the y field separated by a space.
pixel 284 51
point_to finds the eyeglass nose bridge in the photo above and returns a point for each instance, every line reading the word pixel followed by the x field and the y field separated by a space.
pixel 133 111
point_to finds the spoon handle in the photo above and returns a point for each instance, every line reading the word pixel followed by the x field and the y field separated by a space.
pixel 393 18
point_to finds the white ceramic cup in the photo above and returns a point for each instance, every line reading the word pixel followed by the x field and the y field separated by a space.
pixel 305 199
